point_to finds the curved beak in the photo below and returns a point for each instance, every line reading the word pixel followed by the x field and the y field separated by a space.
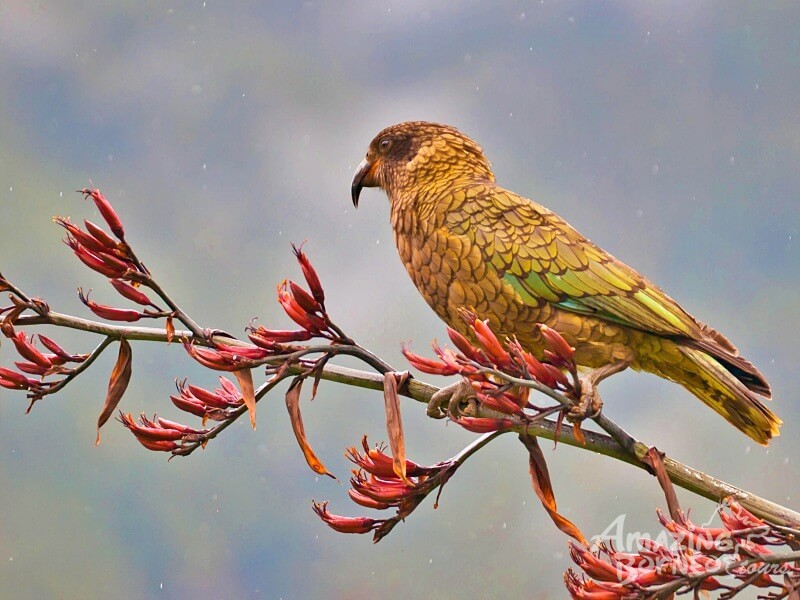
pixel 361 179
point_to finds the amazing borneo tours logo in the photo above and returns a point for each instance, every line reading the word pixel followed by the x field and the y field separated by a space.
pixel 682 548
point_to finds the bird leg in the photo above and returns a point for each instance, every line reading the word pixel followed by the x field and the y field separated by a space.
pixel 454 400
pixel 589 404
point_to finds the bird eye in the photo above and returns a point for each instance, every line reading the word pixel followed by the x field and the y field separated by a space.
pixel 385 144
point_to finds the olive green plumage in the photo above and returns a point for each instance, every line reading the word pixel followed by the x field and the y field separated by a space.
pixel 466 242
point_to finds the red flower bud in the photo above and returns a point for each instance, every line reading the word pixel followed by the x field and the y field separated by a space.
pixel 304 299
pixel 106 210
pixel 310 275
pixel 99 234
pixel 130 292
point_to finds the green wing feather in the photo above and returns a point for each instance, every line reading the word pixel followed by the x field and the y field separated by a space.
pixel 546 261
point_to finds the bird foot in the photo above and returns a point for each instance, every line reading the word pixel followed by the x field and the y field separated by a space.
pixel 590 404
pixel 455 400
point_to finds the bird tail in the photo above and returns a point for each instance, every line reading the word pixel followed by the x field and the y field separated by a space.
pixel 728 391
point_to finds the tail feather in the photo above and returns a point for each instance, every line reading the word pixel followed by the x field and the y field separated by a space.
pixel 739 367
pixel 731 387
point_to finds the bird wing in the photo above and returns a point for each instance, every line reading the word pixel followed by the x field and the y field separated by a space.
pixel 547 261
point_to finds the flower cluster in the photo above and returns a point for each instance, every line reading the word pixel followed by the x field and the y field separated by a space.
pixel 376 485
pixel 38 363
pixel 304 307
pixel 699 559
pixel 161 435
pixel 218 405
pixel 113 258
pixel 490 365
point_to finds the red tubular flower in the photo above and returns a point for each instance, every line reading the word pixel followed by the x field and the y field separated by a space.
pixel 308 321
pixel 366 502
pixel 310 275
pixel 501 403
pixel 80 236
pixel 456 362
pixel 92 260
pixel 378 463
pixel 595 567
pixel 214 405
pixel 27 351
pixel 268 338
pixel 113 261
pixel 106 210
pixel 463 345
pixel 152 435
pixel 491 344
pixel 213 359
pixel 192 406
pixel 688 535
pixel 304 299
pixel 390 490
pixel 242 352
pixel 34 369
pixel 345 524
pixel 109 312
pixel 63 355
pixel 581 588
pixel 739 517
pixel 16 381
pixel 428 365
pixel 126 290
pixel 223 397
pixel 485 425
pixel 557 344
pixel 207 398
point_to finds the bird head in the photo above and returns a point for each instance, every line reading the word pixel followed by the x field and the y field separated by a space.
pixel 419 156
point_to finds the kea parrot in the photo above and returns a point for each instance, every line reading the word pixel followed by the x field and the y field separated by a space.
pixel 468 243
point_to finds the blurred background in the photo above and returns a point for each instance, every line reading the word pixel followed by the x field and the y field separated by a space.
pixel 668 133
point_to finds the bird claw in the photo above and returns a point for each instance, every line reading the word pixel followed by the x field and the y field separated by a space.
pixel 455 400
pixel 590 404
